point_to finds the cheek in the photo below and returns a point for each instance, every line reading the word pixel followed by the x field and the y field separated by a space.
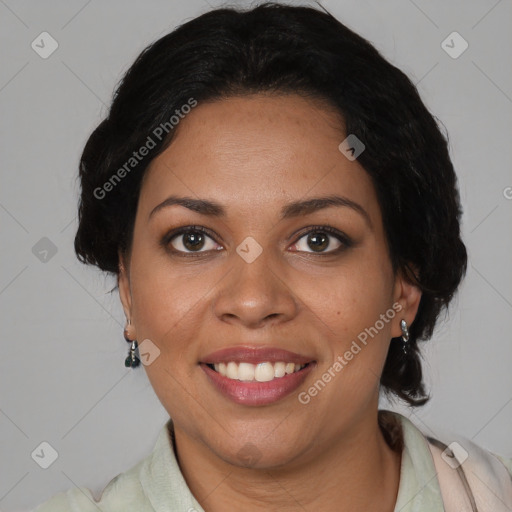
pixel 351 297
pixel 165 306
pixel 358 311
pixel 164 302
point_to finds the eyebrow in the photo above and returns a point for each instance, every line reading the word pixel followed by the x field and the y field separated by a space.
pixel 290 210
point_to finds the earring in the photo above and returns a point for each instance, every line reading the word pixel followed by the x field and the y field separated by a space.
pixel 405 336
pixel 132 360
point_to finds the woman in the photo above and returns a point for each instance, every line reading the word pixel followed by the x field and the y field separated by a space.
pixel 281 213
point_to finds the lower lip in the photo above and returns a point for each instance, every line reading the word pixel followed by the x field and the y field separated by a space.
pixel 257 393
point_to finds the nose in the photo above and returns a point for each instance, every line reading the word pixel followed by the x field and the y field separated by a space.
pixel 255 294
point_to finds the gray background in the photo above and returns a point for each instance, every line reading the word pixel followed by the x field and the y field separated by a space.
pixel 62 378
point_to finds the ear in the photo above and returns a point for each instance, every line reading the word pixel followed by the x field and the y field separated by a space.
pixel 408 296
pixel 123 282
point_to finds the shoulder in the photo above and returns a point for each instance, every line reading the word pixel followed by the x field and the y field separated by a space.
pixel 507 462
pixel 123 492
pixel 467 474
pixel 155 483
pixel 482 478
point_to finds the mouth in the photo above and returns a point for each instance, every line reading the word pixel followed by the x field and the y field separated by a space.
pixel 256 376
pixel 261 372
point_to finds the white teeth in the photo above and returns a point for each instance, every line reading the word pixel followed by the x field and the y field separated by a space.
pixel 232 370
pixel 264 372
pixel 279 370
pixel 246 371
pixel 261 372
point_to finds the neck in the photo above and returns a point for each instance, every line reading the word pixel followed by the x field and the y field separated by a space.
pixel 358 471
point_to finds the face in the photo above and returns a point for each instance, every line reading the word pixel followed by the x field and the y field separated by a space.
pixel 230 297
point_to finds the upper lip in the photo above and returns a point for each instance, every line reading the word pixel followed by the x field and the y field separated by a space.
pixel 255 355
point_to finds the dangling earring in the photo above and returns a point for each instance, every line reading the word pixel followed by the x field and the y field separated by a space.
pixel 405 337
pixel 132 360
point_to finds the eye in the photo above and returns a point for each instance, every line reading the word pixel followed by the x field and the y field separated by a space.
pixel 195 240
pixel 321 238
pixel 191 239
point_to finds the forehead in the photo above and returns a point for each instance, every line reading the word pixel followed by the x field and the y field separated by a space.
pixel 253 153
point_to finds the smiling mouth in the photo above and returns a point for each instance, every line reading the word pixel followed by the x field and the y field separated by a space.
pixel 261 372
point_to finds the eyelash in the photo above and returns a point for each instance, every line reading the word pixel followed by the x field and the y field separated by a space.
pixel 345 241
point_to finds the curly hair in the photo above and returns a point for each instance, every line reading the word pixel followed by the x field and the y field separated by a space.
pixel 275 48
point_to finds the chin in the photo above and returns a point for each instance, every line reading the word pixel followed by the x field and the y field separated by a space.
pixel 264 451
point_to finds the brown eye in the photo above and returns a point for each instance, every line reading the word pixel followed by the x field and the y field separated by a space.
pixel 322 240
pixel 318 241
pixel 192 240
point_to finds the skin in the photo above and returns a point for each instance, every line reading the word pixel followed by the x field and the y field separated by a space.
pixel 253 155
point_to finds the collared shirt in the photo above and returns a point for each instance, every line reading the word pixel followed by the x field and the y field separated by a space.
pixel 156 483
